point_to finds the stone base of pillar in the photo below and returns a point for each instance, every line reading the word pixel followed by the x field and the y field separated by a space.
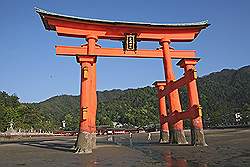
pixel 197 137
pixel 177 137
pixel 94 140
pixel 164 137
pixel 85 142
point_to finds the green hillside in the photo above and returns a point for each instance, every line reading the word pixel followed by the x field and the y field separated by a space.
pixel 222 94
pixel 24 116
pixel 225 93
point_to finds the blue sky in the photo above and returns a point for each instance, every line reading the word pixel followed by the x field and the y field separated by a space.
pixel 30 69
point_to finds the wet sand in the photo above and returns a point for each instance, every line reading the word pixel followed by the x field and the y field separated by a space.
pixel 230 147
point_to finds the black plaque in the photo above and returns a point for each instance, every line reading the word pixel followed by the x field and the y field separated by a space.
pixel 130 43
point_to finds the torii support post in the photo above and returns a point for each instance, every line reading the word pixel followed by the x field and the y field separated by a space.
pixel 177 135
pixel 164 132
pixel 86 139
pixel 197 133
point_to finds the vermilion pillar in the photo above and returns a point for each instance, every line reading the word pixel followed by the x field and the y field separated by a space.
pixel 164 133
pixel 94 103
pixel 176 131
pixel 92 39
pixel 197 133
pixel 86 139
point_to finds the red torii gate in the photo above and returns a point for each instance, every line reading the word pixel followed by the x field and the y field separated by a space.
pixel 131 32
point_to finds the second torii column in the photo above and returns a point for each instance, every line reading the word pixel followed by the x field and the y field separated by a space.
pixel 197 133
pixel 176 131
pixel 164 132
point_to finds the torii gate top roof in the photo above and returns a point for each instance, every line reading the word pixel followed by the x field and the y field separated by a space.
pixel 41 12
pixel 70 26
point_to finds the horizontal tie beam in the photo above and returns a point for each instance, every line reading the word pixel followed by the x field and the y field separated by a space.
pixel 117 52
pixel 192 113
pixel 189 76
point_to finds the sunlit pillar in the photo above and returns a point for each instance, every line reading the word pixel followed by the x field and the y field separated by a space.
pixel 176 131
pixel 197 133
pixel 86 139
pixel 164 132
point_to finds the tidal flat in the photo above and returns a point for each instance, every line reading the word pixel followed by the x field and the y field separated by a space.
pixel 226 147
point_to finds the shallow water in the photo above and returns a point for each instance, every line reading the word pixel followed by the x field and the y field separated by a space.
pixel 140 142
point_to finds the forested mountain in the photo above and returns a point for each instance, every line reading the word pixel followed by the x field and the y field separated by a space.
pixel 225 93
pixel 222 94
pixel 24 116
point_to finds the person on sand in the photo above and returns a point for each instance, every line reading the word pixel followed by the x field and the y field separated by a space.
pixel 130 135
pixel 149 136
pixel 130 139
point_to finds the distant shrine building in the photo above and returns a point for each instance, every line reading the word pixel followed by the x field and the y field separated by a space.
pixel 129 33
